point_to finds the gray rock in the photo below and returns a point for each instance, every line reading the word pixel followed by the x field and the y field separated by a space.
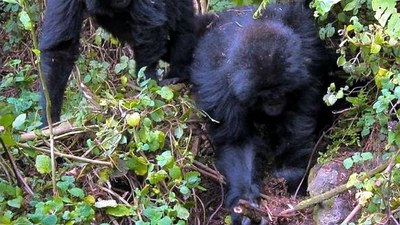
pixel 323 178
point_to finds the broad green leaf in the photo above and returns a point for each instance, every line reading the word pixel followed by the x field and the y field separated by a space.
pixel 192 178
pixel 16 202
pixel 375 48
pixel 350 6
pixel 138 164
pixel 119 211
pixel 175 172
pixel 19 121
pixel 43 164
pixel 133 119
pixel 341 60
pixel 76 192
pixel 25 20
pixel 155 178
pixel 49 220
pixel 153 214
pixel 166 93
pixel 367 156
pixel 6 120
pixel 165 221
pixel 182 212
pixel 348 163
pixel 165 158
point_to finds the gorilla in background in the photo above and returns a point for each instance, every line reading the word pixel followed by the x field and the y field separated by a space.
pixel 162 29
pixel 261 79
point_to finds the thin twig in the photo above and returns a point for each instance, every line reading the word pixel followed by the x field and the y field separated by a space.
pixel 111 192
pixel 352 214
pixel 310 159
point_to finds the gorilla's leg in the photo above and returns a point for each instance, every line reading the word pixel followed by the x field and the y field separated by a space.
pixel 59 44
pixel 56 66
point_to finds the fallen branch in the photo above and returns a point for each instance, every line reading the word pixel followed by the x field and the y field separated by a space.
pixel 331 193
pixel 63 128
pixel 92 161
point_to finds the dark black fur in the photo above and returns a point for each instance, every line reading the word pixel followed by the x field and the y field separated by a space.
pixel 161 29
pixel 261 80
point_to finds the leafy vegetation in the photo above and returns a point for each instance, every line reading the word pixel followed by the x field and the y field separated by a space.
pixel 369 52
pixel 122 125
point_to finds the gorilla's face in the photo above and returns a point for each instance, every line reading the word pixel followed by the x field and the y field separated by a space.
pixel 273 102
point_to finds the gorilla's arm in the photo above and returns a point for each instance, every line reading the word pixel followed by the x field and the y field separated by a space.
pixel 241 164
pixel 59 46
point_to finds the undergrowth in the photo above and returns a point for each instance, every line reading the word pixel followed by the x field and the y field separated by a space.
pixel 367 34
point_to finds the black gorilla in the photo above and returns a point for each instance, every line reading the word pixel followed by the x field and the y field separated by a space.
pixel 261 79
pixel 162 29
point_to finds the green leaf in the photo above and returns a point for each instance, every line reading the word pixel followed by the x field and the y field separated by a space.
pixel 384 9
pixel 49 220
pixel 25 20
pixel 133 120
pixel 348 163
pixel 16 202
pixel 120 66
pixel 11 1
pixel 178 132
pixel 157 115
pixel 192 178
pixel 76 192
pixel 43 164
pixel 6 120
pixel 84 210
pixel 184 190
pixel 138 164
pixel 324 6
pixel 155 178
pixel 165 158
pixel 330 30
pixel 119 211
pixel 21 221
pixel 66 182
pixel 350 6
pixel 8 139
pixel 166 93
pixel 19 121
pixel 367 156
pixel 175 172
pixel 141 223
pixel 375 48
pixel 356 157
pixel 153 214
pixel 5 217
pixel 182 212
pixel 165 221
pixel 341 60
